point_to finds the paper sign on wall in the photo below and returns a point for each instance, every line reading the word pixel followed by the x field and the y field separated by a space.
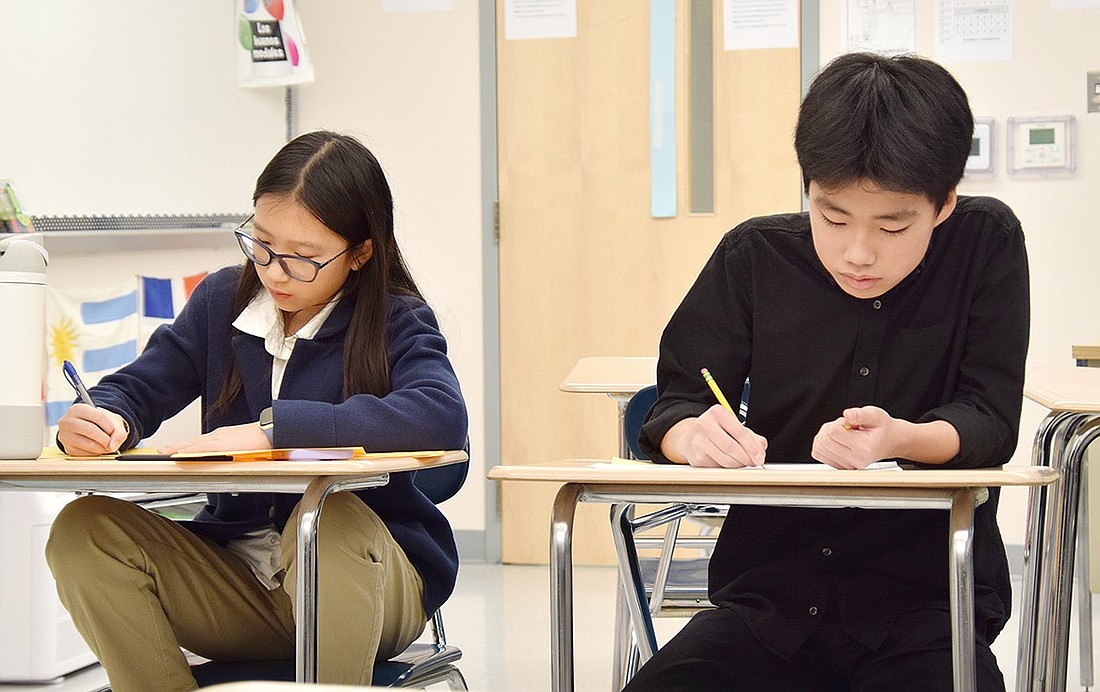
pixel 524 19
pixel 271 48
pixel 754 24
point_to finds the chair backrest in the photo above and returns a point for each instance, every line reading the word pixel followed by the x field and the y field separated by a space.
pixel 634 416
pixel 638 407
pixel 442 482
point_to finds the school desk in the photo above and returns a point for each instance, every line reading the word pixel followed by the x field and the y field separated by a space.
pixel 586 480
pixel 316 480
pixel 1086 355
pixel 1073 396
pixel 619 377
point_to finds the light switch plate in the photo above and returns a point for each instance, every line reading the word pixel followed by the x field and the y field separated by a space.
pixel 980 160
pixel 1094 92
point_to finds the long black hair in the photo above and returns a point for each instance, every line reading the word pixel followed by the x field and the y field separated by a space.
pixel 342 184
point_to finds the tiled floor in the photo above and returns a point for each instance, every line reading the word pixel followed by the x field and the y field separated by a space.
pixel 499 617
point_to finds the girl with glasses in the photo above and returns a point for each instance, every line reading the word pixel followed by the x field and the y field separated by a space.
pixel 320 339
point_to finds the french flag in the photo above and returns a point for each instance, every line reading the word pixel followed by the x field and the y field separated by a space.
pixel 162 299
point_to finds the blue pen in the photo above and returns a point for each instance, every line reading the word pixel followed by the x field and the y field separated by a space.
pixel 74 379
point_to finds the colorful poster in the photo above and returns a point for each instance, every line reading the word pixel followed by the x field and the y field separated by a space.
pixel 271 45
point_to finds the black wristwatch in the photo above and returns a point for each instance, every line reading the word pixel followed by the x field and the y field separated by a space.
pixel 267 424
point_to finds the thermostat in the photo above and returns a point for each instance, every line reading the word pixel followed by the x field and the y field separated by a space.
pixel 1041 145
pixel 981 147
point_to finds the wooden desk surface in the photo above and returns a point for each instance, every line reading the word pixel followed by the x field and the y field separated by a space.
pixel 1065 388
pixel 605 472
pixel 269 686
pixel 99 471
pixel 611 375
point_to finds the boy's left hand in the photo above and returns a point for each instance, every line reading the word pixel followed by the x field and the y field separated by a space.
pixel 860 437
pixel 226 439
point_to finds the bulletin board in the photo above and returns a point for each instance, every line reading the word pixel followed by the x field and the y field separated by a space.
pixel 130 108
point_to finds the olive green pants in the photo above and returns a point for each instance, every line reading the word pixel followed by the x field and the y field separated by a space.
pixel 139 587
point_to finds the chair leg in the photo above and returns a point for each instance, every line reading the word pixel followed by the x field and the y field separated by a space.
pixel 622 639
pixel 1084 588
pixel 455 681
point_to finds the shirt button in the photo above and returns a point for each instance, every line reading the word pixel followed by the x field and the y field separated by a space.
pixel 813 610
pixel 877 304
pixel 865 371
pixel 826 551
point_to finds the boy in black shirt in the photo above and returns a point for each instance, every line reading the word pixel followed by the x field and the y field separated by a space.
pixel 888 322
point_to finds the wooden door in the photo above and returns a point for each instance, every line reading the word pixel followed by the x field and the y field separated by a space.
pixel 584 268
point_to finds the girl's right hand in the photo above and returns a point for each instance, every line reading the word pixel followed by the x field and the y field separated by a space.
pixel 90 431
pixel 714 439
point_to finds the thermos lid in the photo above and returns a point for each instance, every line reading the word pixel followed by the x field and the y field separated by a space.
pixel 22 256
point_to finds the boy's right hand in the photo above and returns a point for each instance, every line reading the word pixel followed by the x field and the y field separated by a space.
pixel 714 439
pixel 90 431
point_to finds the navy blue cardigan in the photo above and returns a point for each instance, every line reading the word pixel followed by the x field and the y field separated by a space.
pixel 424 410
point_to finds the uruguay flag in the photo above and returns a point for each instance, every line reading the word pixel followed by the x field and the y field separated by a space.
pixel 102 329
pixel 95 328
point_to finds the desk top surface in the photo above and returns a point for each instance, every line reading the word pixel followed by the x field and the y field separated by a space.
pixel 1065 388
pixel 99 467
pixel 611 375
pixel 610 473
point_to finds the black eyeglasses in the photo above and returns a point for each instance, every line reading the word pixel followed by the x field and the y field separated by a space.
pixel 298 268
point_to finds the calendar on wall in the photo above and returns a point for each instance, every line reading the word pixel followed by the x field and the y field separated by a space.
pixel 973 30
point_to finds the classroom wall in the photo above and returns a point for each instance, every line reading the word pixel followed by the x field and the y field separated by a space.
pixel 407 84
pixel 1052 51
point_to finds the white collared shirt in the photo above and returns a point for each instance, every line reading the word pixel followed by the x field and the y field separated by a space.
pixel 261 549
pixel 263 319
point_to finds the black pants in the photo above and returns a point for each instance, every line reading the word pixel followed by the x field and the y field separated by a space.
pixel 717 651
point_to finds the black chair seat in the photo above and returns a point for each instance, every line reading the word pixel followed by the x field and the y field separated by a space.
pixel 686 585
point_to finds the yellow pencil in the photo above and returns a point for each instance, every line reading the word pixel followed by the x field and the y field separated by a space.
pixel 717 392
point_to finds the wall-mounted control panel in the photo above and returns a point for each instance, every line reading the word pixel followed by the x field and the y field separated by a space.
pixel 980 160
pixel 1044 144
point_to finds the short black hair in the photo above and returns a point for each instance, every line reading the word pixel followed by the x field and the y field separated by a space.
pixel 902 122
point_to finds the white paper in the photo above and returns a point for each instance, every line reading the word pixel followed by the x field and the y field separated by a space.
pixel 973 30
pixel 876 466
pixel 881 26
pixel 1072 4
pixel 540 19
pixel 418 5
pixel 752 24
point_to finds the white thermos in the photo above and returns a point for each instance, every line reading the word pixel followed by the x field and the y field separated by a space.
pixel 22 347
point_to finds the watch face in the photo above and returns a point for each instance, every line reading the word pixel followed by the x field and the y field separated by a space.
pixel 267 417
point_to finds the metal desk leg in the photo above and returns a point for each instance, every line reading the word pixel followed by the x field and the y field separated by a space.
pixel 1060 551
pixel 1084 589
pixel 561 587
pixel 624 444
pixel 962 589
pixel 305 597
pixel 1028 637
pixel 1044 528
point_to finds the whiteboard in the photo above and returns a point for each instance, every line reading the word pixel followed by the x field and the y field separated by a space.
pixel 123 107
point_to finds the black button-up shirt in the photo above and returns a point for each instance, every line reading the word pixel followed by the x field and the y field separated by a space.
pixel 948 343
